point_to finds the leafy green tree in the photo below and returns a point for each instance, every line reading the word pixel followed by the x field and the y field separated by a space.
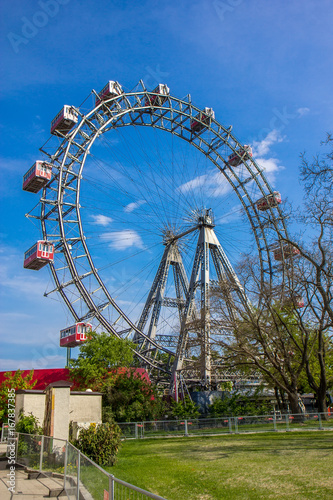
pixel 28 424
pixel 129 397
pixel 185 408
pixel 266 338
pixel 237 404
pixel 98 356
pixel 276 336
pixel 315 275
pixel 13 380
pixel 126 395
pixel 315 369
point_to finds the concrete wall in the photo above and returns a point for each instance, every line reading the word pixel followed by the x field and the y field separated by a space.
pixel 30 402
pixel 61 412
pixel 83 407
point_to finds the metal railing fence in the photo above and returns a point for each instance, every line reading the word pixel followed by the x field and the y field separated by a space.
pixel 4 433
pixel 79 476
pixel 226 425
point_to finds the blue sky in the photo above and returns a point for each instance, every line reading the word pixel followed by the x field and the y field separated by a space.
pixel 264 67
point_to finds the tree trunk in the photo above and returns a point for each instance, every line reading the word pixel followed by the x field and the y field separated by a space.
pixel 293 402
pixel 321 388
pixel 278 399
pixel 283 401
pixel 321 401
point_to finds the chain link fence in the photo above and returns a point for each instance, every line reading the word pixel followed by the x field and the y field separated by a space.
pixel 227 425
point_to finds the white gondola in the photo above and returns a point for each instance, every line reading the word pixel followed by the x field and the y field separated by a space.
pixel 40 254
pixel 157 100
pixel 111 89
pixel 202 120
pixel 64 121
pixel 269 201
pixel 287 251
pixel 241 155
pixel 294 302
pixel 37 176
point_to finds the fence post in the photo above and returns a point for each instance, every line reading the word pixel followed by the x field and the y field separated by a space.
pixel 78 476
pixel 186 429
pixel 143 430
pixel 287 421
pixel 65 464
pixel 41 455
pixel 136 430
pixel 17 437
pixel 111 487
pixel 274 421
pixel 320 423
pixel 230 425
pixel 236 425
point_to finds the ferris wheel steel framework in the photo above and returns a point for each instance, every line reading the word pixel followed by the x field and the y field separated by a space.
pixel 60 201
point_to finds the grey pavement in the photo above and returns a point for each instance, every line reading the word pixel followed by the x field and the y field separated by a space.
pixel 32 486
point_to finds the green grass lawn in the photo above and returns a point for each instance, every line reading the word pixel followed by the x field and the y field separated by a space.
pixel 297 465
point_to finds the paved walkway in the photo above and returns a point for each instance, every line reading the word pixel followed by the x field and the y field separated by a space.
pixel 32 486
pixel 31 489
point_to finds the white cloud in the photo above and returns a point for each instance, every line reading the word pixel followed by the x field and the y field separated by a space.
pixel 14 165
pixel 214 185
pixel 32 364
pixel 303 111
pixel 120 240
pixel 32 287
pixel 270 166
pixel 132 206
pixel 193 184
pixel 14 315
pixel 261 148
pixel 231 216
pixel 101 220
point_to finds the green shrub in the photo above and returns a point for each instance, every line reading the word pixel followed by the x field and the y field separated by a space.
pixel 185 408
pixel 28 447
pixel 128 397
pixel 100 443
pixel 28 424
pixel 235 404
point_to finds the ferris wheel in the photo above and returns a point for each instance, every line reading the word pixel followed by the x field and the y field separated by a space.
pixel 147 202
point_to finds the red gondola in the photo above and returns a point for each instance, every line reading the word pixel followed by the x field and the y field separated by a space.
pixel 111 89
pixel 271 200
pixel 157 100
pixel 202 119
pixel 287 251
pixel 64 121
pixel 37 176
pixel 240 156
pixel 299 301
pixel 40 254
pixel 296 301
pixel 74 335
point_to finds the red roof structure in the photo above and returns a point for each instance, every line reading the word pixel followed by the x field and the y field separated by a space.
pixel 48 376
pixel 43 377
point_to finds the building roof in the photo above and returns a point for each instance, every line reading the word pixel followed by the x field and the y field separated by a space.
pixel 45 377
